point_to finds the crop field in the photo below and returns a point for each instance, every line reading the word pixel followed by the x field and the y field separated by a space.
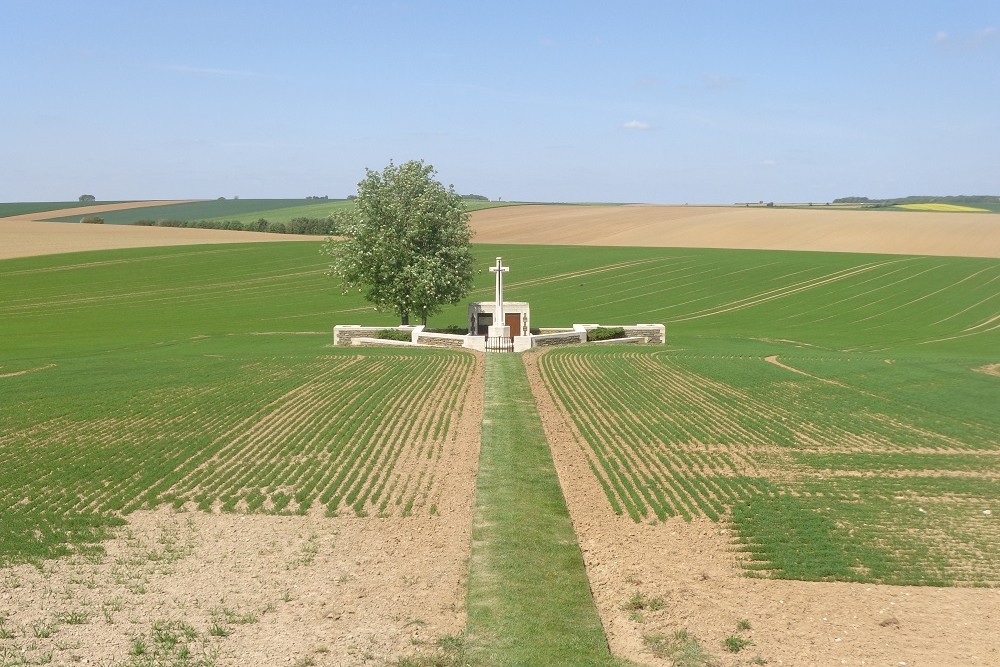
pixel 824 476
pixel 817 228
pixel 947 208
pixel 221 424
pixel 834 413
pixel 23 208
pixel 226 209
pixel 831 413
pixel 129 383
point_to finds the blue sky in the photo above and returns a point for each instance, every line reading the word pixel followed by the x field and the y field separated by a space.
pixel 667 102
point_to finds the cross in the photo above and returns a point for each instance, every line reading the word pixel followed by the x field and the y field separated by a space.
pixel 499 269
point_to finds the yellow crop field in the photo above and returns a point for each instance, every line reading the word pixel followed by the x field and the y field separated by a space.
pixel 943 208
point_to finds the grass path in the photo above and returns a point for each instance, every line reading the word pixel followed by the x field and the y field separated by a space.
pixel 529 599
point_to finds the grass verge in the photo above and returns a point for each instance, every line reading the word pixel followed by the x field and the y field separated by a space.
pixel 529 598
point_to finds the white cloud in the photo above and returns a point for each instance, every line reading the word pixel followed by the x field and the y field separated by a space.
pixel 978 39
pixel 637 125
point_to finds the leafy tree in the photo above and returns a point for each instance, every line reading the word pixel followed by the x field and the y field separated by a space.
pixel 406 243
pixel 88 198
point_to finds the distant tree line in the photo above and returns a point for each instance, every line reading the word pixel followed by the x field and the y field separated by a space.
pixel 476 197
pixel 303 225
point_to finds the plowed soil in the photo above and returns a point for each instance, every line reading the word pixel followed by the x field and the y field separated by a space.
pixel 893 232
pixel 692 568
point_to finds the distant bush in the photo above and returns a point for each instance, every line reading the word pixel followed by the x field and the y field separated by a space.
pixel 476 197
pixel 310 226
pixel 92 220
pixel 605 333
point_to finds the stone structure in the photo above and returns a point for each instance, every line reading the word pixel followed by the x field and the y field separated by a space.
pixel 506 324
pixel 482 315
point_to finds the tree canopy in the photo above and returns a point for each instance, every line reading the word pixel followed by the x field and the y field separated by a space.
pixel 406 243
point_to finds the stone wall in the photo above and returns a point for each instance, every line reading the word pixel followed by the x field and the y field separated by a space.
pixel 566 338
pixel 440 340
pixel 654 334
pixel 343 334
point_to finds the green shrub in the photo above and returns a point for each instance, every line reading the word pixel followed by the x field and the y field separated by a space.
pixel 450 329
pixel 92 220
pixel 605 333
pixel 394 334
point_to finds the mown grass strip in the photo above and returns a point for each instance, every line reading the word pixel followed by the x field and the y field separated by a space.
pixel 529 598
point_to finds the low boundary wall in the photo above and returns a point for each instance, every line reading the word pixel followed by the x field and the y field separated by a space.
pixel 356 334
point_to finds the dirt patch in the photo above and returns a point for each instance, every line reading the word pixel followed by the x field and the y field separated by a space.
pixel 773 359
pixel 917 233
pixel 26 371
pixel 342 591
pixel 691 571
pixel 989 369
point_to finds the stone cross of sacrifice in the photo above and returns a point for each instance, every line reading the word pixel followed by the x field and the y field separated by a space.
pixel 499 269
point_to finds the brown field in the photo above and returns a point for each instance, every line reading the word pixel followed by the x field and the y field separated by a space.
pixel 906 233
pixel 27 236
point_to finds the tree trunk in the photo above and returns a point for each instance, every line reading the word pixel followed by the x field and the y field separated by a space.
pixel 423 320
pixel 406 319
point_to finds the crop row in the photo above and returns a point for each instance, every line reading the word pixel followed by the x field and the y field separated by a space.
pixel 367 433
pixel 819 480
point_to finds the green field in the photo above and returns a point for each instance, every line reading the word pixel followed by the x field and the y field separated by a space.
pixel 157 355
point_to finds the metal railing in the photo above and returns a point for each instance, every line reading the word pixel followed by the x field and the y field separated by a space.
pixel 499 344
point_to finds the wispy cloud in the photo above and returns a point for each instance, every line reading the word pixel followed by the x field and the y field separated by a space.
pixel 212 72
pixel 978 39
pixel 637 125
pixel 720 81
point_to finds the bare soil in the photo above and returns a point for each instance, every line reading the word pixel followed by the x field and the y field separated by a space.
pixel 911 233
pixel 989 369
pixel 694 571
pixel 28 236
